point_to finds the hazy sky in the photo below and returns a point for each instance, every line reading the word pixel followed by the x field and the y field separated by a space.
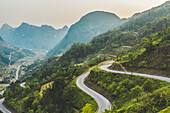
pixel 66 12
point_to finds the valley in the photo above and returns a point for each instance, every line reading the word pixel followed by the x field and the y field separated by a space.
pixel 15 72
pixel 101 63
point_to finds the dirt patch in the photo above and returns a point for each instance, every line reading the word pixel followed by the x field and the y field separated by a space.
pixel 99 64
pixel 45 86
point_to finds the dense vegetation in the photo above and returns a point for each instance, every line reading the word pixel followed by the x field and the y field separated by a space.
pixel 111 43
pixel 132 93
pixel 151 53
pixel 64 96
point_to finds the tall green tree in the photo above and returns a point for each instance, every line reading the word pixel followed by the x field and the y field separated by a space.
pixel 149 85
pixel 87 109
pixel 136 91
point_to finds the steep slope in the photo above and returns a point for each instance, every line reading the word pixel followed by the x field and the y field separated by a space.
pixel 6 32
pixel 123 38
pixel 64 96
pixel 129 93
pixel 152 55
pixel 6 50
pixel 33 37
pixel 86 28
pixel 129 33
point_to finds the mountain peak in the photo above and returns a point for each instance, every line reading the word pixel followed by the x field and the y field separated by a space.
pixel 6 26
pixel 47 27
pixel 65 27
pixel 24 23
pixel 100 15
pixel 89 26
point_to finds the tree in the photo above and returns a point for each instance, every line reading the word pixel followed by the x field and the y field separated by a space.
pixel 149 85
pixel 168 30
pixel 31 111
pixel 87 109
pixel 130 56
pixel 136 91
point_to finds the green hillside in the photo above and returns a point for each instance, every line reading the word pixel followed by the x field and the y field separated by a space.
pixel 130 93
pixel 123 38
pixel 151 55
pixel 126 34
pixel 89 26
pixel 65 97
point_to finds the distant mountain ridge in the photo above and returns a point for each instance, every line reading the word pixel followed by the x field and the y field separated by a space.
pixel 89 26
pixel 6 49
pixel 32 37
pixel 122 38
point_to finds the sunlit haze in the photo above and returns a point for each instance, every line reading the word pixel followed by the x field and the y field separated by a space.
pixel 58 13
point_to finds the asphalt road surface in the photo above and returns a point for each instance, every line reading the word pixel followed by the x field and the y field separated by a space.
pixel 17 72
pixel 23 84
pixel 102 102
pixel 2 108
pixel 105 68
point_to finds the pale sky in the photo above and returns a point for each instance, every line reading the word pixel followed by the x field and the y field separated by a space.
pixel 58 13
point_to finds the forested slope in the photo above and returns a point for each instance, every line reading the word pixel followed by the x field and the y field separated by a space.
pixel 151 55
pixel 123 38
pixel 75 61
pixel 130 93
pixel 89 26
pixel 63 97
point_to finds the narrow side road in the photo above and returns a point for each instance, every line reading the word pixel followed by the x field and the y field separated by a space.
pixel 102 102
pixel 23 84
pixel 105 68
pixel 2 108
pixel 17 72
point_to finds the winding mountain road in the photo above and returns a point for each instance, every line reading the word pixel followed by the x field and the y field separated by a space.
pixel 2 108
pixel 102 102
pixel 23 84
pixel 105 68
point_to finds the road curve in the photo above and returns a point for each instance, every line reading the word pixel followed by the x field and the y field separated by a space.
pixel 2 108
pixel 102 102
pixel 2 92
pixel 23 84
pixel 105 68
